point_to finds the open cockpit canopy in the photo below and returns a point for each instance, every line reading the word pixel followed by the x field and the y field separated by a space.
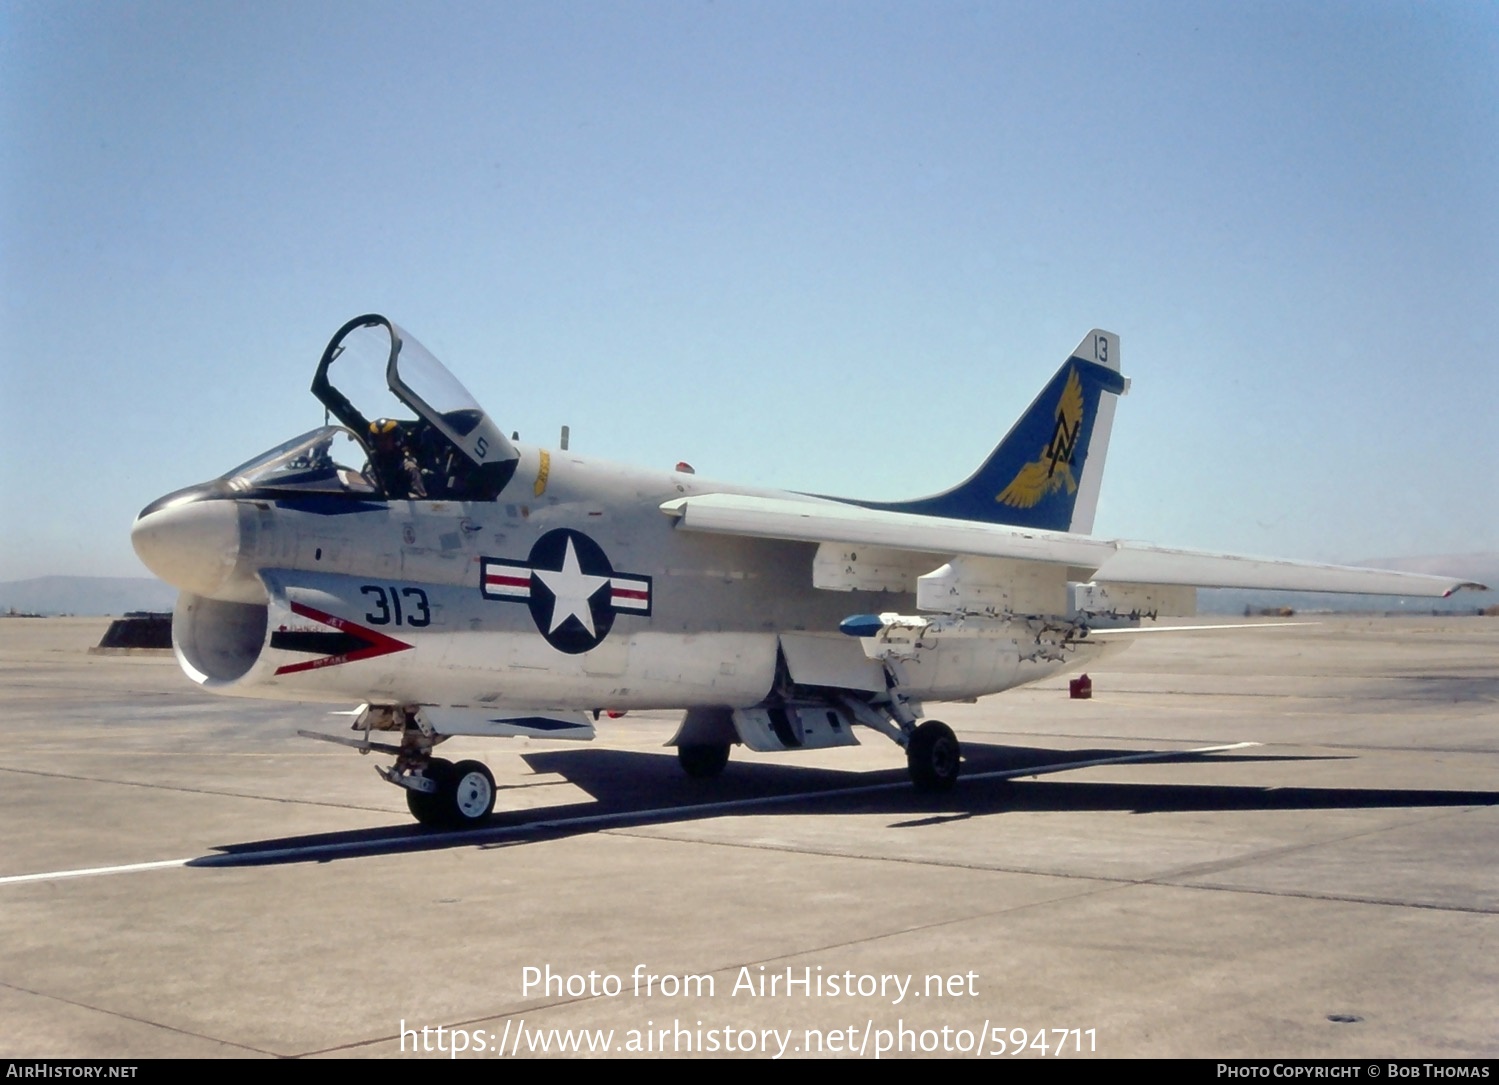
pixel 458 451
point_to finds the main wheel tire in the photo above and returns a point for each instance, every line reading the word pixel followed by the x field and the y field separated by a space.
pixel 933 757
pixel 703 762
pixel 427 806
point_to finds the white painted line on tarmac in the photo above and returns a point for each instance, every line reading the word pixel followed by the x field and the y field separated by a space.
pixel 485 836
pixel 1153 755
pixel 94 872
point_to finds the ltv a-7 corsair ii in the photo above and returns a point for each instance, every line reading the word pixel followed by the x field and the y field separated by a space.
pixel 454 581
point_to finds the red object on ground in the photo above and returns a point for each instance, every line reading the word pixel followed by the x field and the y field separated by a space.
pixel 1080 688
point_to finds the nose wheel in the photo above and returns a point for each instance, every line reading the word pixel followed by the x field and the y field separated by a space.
pixel 463 799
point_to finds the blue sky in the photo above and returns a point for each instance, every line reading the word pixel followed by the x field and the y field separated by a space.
pixel 832 247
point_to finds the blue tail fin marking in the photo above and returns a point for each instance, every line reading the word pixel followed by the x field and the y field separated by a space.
pixel 1039 473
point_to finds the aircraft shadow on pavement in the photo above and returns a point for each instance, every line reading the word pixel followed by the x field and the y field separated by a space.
pixel 633 788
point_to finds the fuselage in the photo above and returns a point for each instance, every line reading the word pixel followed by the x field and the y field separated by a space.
pixel 459 583
pixel 571 590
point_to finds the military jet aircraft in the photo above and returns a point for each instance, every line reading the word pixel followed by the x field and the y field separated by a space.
pixel 453 581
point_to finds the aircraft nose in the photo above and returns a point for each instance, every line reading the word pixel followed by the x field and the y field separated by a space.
pixel 189 539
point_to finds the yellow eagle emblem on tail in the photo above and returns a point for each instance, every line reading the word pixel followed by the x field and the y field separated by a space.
pixel 1053 470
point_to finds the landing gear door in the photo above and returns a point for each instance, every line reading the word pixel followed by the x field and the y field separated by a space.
pixel 425 385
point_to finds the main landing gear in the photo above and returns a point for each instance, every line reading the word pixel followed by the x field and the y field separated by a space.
pixel 797 717
pixel 933 756
pixel 703 762
pixel 819 718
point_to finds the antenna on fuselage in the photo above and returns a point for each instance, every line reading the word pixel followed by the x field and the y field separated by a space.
pixel 565 432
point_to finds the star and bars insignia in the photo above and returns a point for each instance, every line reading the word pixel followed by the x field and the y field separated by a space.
pixel 570 587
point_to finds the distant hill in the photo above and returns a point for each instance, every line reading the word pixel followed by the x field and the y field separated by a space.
pixel 86 595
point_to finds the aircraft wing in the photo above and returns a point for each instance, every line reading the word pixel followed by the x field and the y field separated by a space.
pixel 1085 557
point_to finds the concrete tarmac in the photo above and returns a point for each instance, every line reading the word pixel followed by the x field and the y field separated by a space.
pixel 180 875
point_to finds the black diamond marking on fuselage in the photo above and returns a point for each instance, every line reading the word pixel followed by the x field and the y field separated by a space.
pixel 538 723
pixel 327 644
pixel 571 589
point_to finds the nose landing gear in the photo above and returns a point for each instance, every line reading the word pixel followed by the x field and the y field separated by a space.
pixel 439 794
pixel 463 795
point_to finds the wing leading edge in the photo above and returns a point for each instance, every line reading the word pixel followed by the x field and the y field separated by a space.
pixel 1085 557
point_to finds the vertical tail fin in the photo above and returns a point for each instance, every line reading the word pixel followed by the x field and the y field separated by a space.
pixel 1047 471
